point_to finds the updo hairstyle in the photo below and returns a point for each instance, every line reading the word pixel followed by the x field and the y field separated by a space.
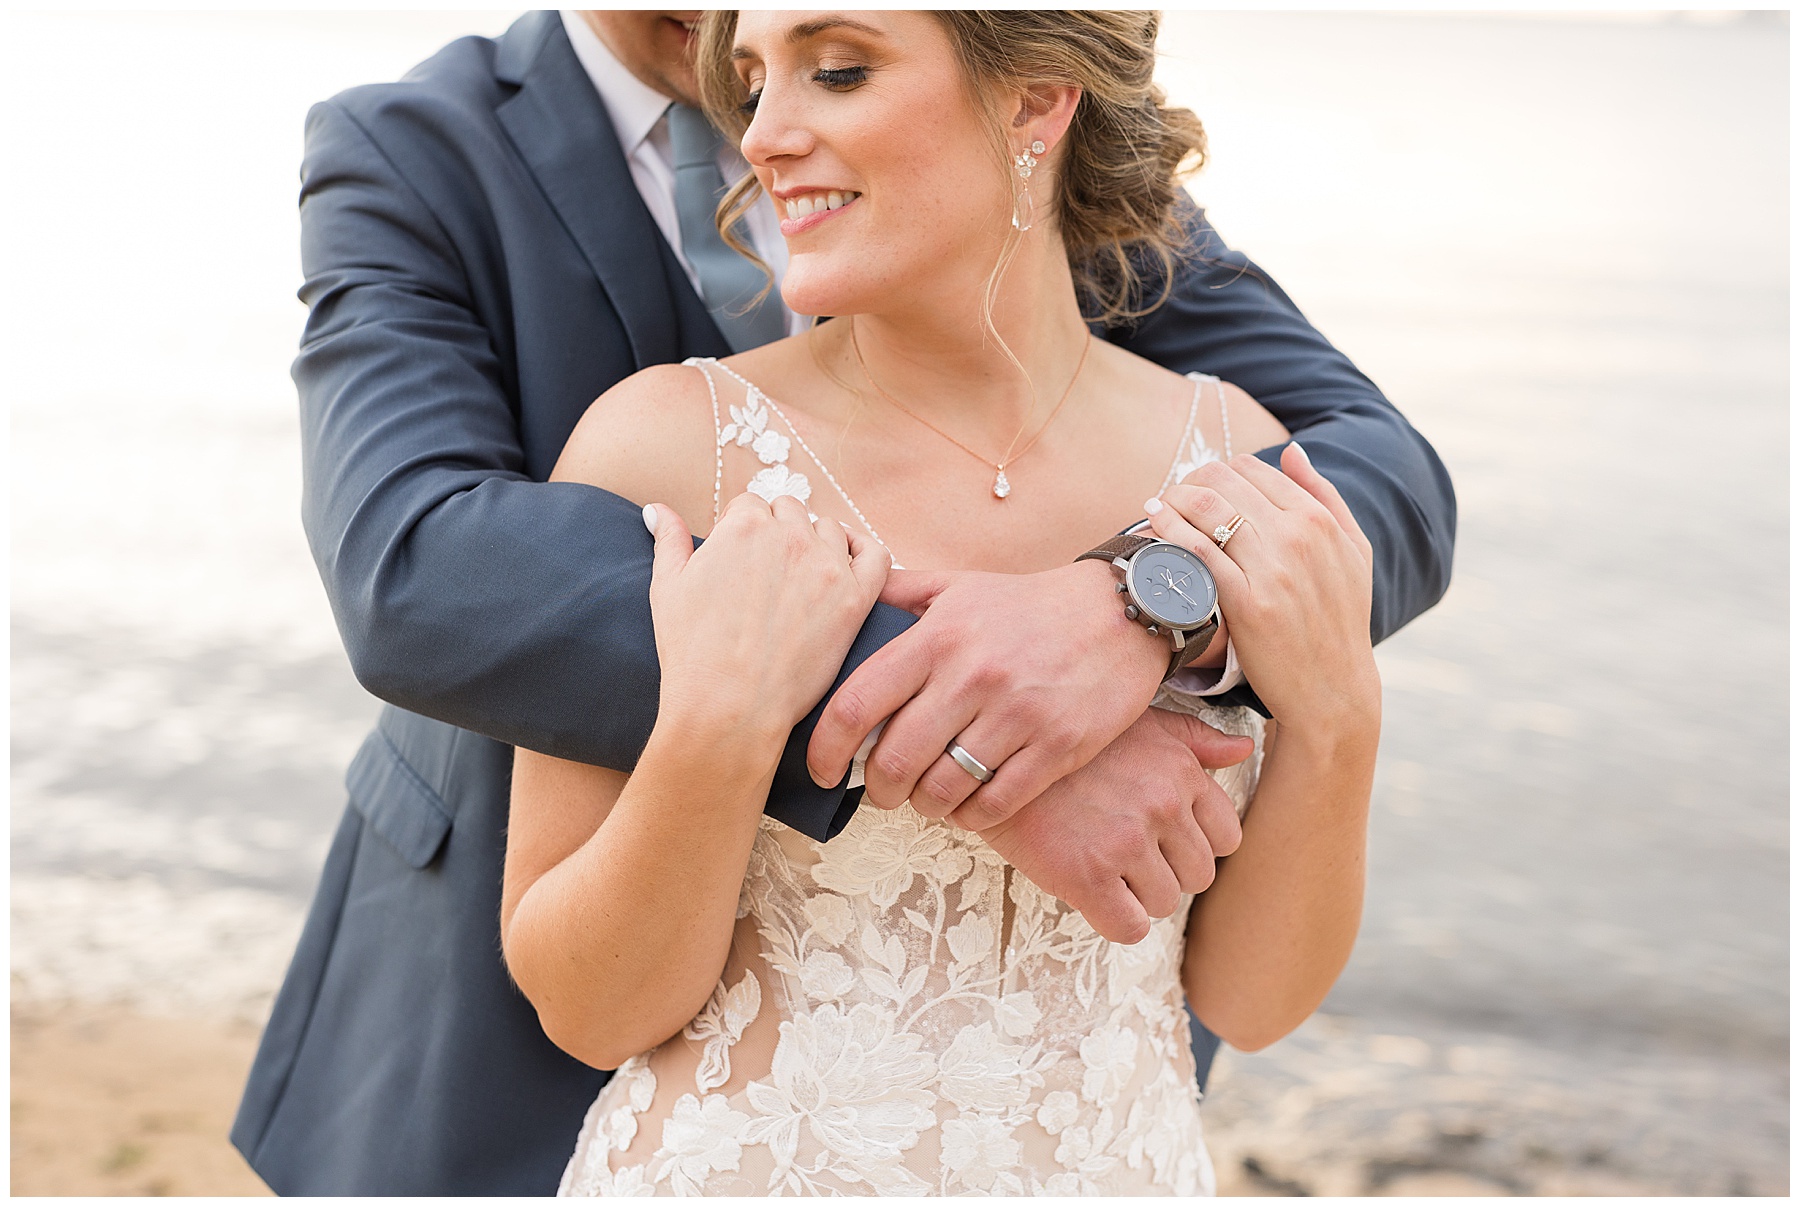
pixel 1123 156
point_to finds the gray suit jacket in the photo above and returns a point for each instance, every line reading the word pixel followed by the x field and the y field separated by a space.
pixel 479 267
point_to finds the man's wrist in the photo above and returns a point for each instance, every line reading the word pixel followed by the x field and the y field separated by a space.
pixel 1212 676
pixel 1143 655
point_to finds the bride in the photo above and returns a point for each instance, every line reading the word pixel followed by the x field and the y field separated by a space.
pixel 896 1011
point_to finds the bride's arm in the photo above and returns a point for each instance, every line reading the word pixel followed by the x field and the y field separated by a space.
pixel 615 921
pixel 620 893
pixel 1272 934
pixel 1267 941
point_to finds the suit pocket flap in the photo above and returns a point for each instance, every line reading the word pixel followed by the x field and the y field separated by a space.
pixel 399 805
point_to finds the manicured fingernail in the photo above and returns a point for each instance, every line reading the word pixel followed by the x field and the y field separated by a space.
pixel 1303 455
pixel 1152 506
pixel 650 517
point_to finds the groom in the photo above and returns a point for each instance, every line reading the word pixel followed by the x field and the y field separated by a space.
pixel 488 245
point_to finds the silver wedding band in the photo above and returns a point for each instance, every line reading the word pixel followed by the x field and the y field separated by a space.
pixel 1224 532
pixel 969 762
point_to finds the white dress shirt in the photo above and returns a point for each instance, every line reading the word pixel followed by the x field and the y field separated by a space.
pixel 639 118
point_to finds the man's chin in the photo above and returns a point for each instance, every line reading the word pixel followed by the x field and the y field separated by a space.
pixel 682 87
pixel 677 41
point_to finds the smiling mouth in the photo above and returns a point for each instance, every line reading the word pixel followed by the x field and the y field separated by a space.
pixel 813 203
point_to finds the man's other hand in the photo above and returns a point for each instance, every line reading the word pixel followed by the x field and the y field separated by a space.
pixel 1122 838
pixel 1033 674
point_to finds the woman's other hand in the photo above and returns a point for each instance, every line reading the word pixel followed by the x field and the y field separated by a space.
pixel 615 922
pixel 752 627
pixel 1278 924
pixel 1295 581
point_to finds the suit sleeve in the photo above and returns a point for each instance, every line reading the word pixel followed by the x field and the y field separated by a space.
pixel 464 590
pixel 1225 316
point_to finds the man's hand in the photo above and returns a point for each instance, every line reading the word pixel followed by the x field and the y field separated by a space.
pixel 1122 838
pixel 1034 674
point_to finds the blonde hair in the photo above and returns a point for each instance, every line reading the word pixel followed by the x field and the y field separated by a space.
pixel 1122 158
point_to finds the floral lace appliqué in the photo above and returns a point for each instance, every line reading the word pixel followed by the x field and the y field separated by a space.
pixel 905 1014
pixel 749 428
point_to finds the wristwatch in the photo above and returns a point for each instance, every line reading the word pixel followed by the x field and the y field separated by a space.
pixel 1169 590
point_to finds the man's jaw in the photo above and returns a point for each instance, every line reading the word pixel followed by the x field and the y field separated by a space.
pixel 687 24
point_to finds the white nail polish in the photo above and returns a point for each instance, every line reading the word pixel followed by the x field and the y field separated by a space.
pixel 1307 457
pixel 1152 506
pixel 650 518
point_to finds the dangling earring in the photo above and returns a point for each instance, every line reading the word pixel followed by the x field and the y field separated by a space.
pixel 1023 162
pixel 1022 210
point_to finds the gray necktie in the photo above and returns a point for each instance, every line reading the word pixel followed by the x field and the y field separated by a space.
pixel 727 280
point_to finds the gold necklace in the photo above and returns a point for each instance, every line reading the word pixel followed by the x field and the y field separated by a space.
pixel 1002 487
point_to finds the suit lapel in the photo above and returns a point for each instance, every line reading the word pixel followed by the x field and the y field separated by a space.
pixel 563 133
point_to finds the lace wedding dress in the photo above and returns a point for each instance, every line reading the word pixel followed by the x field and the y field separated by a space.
pixel 903 1013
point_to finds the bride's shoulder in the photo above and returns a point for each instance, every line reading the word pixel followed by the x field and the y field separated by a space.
pixel 1251 425
pixel 649 439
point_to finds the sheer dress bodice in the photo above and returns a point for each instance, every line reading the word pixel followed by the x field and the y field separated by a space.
pixel 903 1013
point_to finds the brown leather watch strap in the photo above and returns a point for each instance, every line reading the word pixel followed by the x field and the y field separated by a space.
pixel 1197 641
pixel 1123 545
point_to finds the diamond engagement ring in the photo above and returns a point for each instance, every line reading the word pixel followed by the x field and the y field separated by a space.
pixel 1224 532
pixel 969 762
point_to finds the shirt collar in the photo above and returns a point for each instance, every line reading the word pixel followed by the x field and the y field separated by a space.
pixel 633 105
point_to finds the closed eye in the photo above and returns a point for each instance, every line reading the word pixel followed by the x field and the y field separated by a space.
pixel 841 77
pixel 831 77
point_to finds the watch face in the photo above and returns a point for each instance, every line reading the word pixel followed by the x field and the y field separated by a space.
pixel 1172 586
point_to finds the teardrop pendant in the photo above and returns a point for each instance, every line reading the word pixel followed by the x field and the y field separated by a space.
pixel 1002 487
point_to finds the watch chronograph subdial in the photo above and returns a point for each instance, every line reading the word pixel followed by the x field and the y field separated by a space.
pixel 1172 587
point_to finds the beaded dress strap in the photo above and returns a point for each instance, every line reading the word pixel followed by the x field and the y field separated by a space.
pixel 1224 416
pixel 751 387
pixel 700 363
pixel 1186 443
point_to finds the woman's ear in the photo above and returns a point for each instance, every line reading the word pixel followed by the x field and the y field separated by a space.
pixel 1045 111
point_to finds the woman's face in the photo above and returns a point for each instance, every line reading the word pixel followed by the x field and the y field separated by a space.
pixel 869 112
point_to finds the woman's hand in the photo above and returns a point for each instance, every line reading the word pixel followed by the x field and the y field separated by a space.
pixel 752 627
pixel 1268 939
pixel 1295 579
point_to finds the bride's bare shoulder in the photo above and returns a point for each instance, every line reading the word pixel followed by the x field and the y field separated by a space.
pixel 650 439
pixel 1252 427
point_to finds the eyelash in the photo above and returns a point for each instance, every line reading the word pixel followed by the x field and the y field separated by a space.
pixel 841 77
pixel 831 77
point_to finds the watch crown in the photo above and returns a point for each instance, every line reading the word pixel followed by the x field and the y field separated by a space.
pixel 1152 629
pixel 1131 612
pixel 1119 587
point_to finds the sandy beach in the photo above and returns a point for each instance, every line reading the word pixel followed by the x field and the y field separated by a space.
pixel 1558 244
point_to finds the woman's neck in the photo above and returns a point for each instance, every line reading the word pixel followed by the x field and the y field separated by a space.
pixel 938 360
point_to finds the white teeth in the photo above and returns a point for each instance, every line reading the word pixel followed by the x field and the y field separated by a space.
pixel 813 203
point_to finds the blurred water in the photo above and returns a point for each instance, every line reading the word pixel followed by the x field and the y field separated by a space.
pixel 1562 249
pixel 1559 245
pixel 1569 268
